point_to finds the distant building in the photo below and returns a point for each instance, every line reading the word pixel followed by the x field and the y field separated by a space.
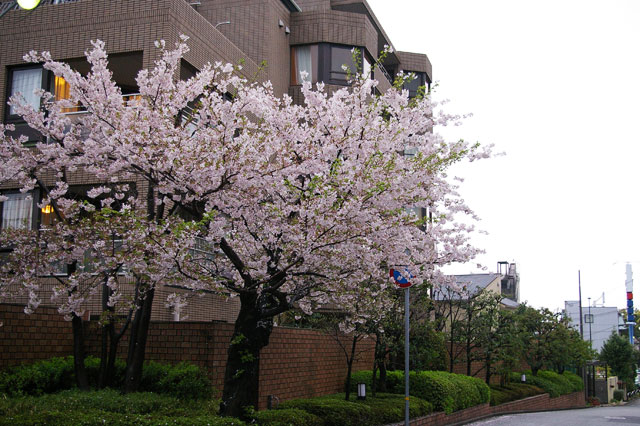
pixel 605 321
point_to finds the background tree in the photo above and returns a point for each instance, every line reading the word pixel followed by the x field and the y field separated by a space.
pixel 450 320
pixel 536 329
pixel 618 353
pixel 498 347
pixel 568 348
pixel 300 205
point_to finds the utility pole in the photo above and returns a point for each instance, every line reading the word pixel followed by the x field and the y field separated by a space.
pixel 630 317
pixel 590 322
pixel 580 305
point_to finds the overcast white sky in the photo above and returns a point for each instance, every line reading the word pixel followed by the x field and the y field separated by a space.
pixel 556 86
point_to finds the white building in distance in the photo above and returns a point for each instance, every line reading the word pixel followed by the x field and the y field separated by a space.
pixel 605 322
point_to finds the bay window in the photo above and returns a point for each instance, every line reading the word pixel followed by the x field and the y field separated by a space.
pixel 325 62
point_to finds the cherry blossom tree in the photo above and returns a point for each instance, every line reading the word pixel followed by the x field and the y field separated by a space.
pixel 300 205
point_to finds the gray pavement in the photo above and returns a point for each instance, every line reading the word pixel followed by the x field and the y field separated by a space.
pixel 596 416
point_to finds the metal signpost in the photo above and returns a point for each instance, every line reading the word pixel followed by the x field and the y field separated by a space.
pixel 401 279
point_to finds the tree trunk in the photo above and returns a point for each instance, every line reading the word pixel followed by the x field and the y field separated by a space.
pixel 107 338
pixel 469 358
pixel 138 342
pixel 383 377
pixel 347 385
pixel 241 378
pixel 487 366
pixel 78 354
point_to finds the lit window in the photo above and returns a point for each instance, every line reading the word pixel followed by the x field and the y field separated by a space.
pixel 25 82
pixel 17 211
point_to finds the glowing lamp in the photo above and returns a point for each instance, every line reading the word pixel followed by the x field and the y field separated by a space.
pixel 362 391
pixel 47 209
pixel 28 4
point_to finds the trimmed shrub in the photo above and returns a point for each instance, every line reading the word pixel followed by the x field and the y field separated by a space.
pixel 287 417
pixel 513 392
pixel 334 412
pixel 389 407
pixel 447 392
pixel 551 382
pixel 576 381
pixel 394 379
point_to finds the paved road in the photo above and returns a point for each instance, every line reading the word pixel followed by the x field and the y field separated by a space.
pixel 598 416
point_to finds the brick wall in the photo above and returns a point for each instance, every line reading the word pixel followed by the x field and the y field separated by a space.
pixel 297 363
pixel 532 404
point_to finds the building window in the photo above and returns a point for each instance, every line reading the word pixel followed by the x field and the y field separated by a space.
pixel 304 59
pixel 414 85
pixel 341 56
pixel 324 62
pixel 17 211
pixel 25 81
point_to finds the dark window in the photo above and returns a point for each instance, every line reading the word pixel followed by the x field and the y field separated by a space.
pixel 342 63
pixel 414 85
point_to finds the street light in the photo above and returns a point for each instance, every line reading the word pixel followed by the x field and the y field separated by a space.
pixel 23 4
pixel 28 4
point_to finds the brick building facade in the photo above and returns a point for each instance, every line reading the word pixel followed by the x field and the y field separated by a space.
pixel 273 40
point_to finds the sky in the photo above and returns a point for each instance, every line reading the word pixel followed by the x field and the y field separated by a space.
pixel 555 85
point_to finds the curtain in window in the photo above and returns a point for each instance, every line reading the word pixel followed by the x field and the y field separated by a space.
pixel 25 82
pixel 16 211
pixel 303 61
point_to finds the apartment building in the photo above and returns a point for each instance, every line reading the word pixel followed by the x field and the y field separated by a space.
pixel 273 39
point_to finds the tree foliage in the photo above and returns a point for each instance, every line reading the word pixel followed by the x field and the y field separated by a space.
pixel 620 355
pixel 296 205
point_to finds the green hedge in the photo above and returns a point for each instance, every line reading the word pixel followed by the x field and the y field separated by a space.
pixel 334 412
pixel 373 411
pixel 182 380
pixel 551 382
pixel 447 392
pixel 513 392
pixel 576 381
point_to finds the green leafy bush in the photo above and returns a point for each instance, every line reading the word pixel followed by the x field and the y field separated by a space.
pixel 182 380
pixel 618 395
pixel 45 376
pixel 513 392
pixel 287 417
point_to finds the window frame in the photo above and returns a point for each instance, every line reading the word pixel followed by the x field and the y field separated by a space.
pixel 45 84
pixel 35 217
